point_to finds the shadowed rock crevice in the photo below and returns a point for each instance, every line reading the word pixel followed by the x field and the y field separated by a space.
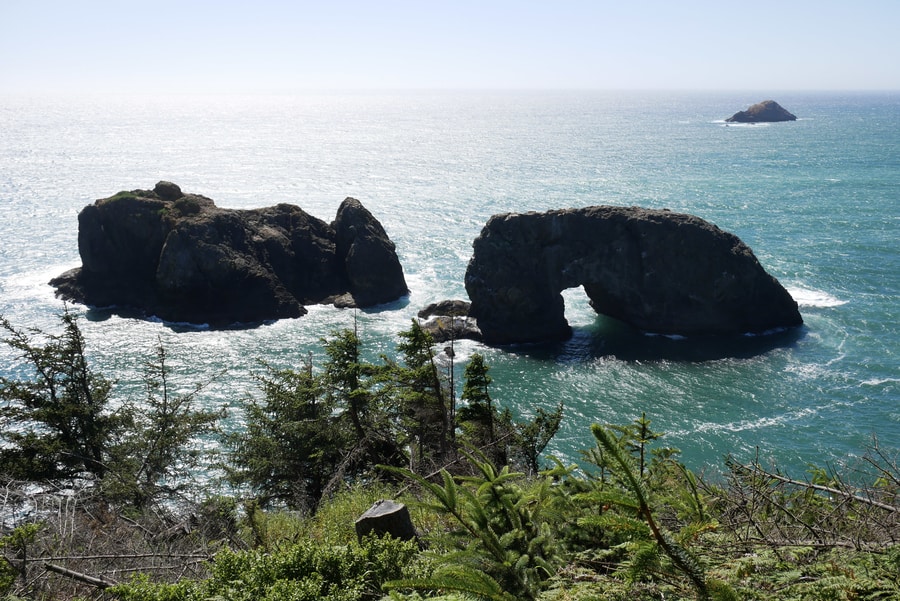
pixel 180 257
pixel 658 271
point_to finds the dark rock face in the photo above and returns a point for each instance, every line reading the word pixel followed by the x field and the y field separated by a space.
pixel 373 273
pixel 767 111
pixel 180 257
pixel 449 320
pixel 444 328
pixel 658 271
pixel 446 308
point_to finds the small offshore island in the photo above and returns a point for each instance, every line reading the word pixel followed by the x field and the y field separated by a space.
pixel 183 259
pixel 656 270
pixel 767 111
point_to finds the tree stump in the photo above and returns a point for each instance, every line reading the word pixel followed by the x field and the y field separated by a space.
pixel 386 517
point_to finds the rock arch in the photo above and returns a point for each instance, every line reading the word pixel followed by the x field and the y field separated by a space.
pixel 659 271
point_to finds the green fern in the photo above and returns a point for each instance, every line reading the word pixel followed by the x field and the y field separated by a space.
pixel 457 578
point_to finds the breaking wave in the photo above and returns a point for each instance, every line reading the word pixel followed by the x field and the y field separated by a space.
pixel 807 297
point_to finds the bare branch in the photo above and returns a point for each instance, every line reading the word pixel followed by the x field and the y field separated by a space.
pixel 819 487
pixel 92 580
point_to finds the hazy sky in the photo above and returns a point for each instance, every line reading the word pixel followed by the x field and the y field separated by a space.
pixel 273 46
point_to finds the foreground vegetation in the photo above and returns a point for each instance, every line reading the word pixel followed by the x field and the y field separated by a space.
pixel 98 502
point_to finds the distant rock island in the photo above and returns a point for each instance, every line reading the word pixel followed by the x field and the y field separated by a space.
pixel 767 111
pixel 659 271
pixel 180 257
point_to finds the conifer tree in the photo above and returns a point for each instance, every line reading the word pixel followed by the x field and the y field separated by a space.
pixel 348 385
pixel 56 422
pixel 534 436
pixel 343 379
pixel 291 445
pixel 494 432
pixel 155 456
pixel 480 408
pixel 479 419
pixel 424 410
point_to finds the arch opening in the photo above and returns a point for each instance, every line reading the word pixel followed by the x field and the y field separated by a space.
pixel 577 308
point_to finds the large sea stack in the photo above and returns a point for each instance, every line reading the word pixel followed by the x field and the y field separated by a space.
pixel 656 270
pixel 767 111
pixel 180 257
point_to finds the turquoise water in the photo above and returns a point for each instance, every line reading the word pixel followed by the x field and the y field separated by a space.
pixel 818 200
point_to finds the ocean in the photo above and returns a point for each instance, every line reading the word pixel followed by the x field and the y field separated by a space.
pixel 818 201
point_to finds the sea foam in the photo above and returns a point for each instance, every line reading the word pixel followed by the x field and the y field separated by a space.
pixel 806 297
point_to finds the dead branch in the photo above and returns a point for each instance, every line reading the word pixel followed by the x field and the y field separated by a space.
pixel 827 489
pixel 92 580
pixel 199 556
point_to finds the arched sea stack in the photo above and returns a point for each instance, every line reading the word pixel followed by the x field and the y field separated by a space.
pixel 656 270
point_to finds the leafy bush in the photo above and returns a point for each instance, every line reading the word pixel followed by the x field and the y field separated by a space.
pixel 18 542
pixel 303 571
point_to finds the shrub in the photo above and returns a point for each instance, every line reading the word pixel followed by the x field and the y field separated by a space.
pixel 303 571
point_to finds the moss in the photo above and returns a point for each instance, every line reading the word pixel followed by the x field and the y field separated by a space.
pixel 127 195
pixel 187 205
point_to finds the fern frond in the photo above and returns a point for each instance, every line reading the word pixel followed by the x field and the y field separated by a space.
pixel 449 496
pixel 456 578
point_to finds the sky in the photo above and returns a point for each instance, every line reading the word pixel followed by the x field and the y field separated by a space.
pixel 269 46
